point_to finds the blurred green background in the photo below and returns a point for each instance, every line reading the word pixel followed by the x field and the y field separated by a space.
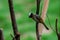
pixel 26 26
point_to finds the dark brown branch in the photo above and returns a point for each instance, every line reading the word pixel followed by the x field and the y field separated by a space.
pixel 58 34
pixel 56 26
pixel 1 35
pixel 37 13
pixel 37 6
pixel 13 20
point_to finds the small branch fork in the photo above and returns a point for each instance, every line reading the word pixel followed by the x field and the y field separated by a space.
pixel 16 33
pixel 1 35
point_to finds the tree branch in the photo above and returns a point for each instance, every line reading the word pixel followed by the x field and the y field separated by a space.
pixel 37 13
pixel 1 35
pixel 56 26
pixel 16 33
pixel 43 15
pixel 58 34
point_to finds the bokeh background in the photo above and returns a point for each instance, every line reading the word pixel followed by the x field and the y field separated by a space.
pixel 26 26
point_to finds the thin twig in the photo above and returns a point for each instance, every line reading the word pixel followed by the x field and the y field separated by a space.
pixel 16 33
pixel 50 23
pixel 1 35
pixel 58 34
pixel 56 27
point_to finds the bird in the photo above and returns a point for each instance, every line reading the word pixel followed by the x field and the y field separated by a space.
pixel 38 19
